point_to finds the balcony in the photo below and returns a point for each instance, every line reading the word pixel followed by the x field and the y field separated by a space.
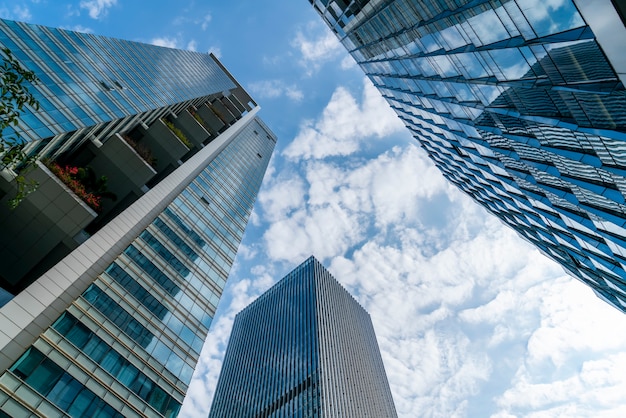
pixel 125 168
pixel 210 118
pixel 45 225
pixel 167 148
pixel 192 126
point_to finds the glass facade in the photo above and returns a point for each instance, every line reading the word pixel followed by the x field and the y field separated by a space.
pixel 157 299
pixel 517 104
pixel 124 331
pixel 86 80
pixel 305 348
pixel 129 112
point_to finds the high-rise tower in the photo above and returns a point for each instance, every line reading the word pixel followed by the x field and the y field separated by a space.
pixel 304 348
pixel 521 104
pixel 111 316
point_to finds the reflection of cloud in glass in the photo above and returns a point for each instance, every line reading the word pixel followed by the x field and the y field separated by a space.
pixel 511 63
pixel 487 93
pixel 463 92
pixel 550 16
pixel 445 66
pixel 471 66
pixel 488 27
pixel 452 37
pixel 429 43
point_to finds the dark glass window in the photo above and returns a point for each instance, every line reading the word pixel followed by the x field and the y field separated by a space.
pixel 59 387
pixel 120 368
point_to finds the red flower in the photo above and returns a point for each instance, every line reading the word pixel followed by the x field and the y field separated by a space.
pixel 67 176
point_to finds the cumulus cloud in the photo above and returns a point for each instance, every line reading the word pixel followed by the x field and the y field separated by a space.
pixel 470 319
pixel 192 45
pixel 271 89
pixel 79 28
pixel 331 207
pixel 345 125
pixel 174 42
pixel 204 23
pixel 19 12
pixel 165 41
pixel 316 45
pixel 97 8
pixel 348 62
pixel 572 364
pixel 215 50
pixel 449 304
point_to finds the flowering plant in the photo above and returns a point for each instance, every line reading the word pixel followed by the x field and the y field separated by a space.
pixel 74 178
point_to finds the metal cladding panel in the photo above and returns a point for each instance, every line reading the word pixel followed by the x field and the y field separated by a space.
pixel 352 375
pixel 517 104
pixel 303 348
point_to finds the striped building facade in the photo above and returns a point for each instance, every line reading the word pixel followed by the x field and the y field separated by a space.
pixel 304 348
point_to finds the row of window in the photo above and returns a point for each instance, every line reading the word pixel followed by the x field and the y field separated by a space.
pixel 138 333
pixel 59 387
pixel 111 361
pixel 155 306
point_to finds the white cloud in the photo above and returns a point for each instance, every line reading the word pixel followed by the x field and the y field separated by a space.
pixel 471 320
pixel 316 45
pixel 348 62
pixel 215 50
pixel 165 41
pixel 271 89
pixel 294 93
pixel 283 197
pixel 204 24
pixel 412 280
pixel 594 389
pixel 192 45
pixel 18 12
pixel 330 207
pixel 174 42
pixel 97 8
pixel 79 28
pixel 345 125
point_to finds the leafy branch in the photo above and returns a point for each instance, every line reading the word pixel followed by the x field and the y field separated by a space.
pixel 14 96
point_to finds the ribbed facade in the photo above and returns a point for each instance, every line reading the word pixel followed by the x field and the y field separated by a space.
pixel 517 104
pixel 116 327
pixel 304 348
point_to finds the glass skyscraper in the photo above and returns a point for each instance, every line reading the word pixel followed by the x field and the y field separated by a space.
pixel 521 104
pixel 305 348
pixel 115 326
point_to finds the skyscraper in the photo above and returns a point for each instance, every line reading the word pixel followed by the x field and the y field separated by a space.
pixel 521 104
pixel 116 326
pixel 304 348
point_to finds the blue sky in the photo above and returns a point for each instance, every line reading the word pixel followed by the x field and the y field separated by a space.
pixel 471 320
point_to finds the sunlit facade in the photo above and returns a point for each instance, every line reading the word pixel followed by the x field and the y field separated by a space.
pixel 305 348
pixel 129 111
pixel 116 327
pixel 521 104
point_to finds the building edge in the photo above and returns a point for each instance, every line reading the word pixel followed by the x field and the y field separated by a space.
pixel 608 26
pixel 54 291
